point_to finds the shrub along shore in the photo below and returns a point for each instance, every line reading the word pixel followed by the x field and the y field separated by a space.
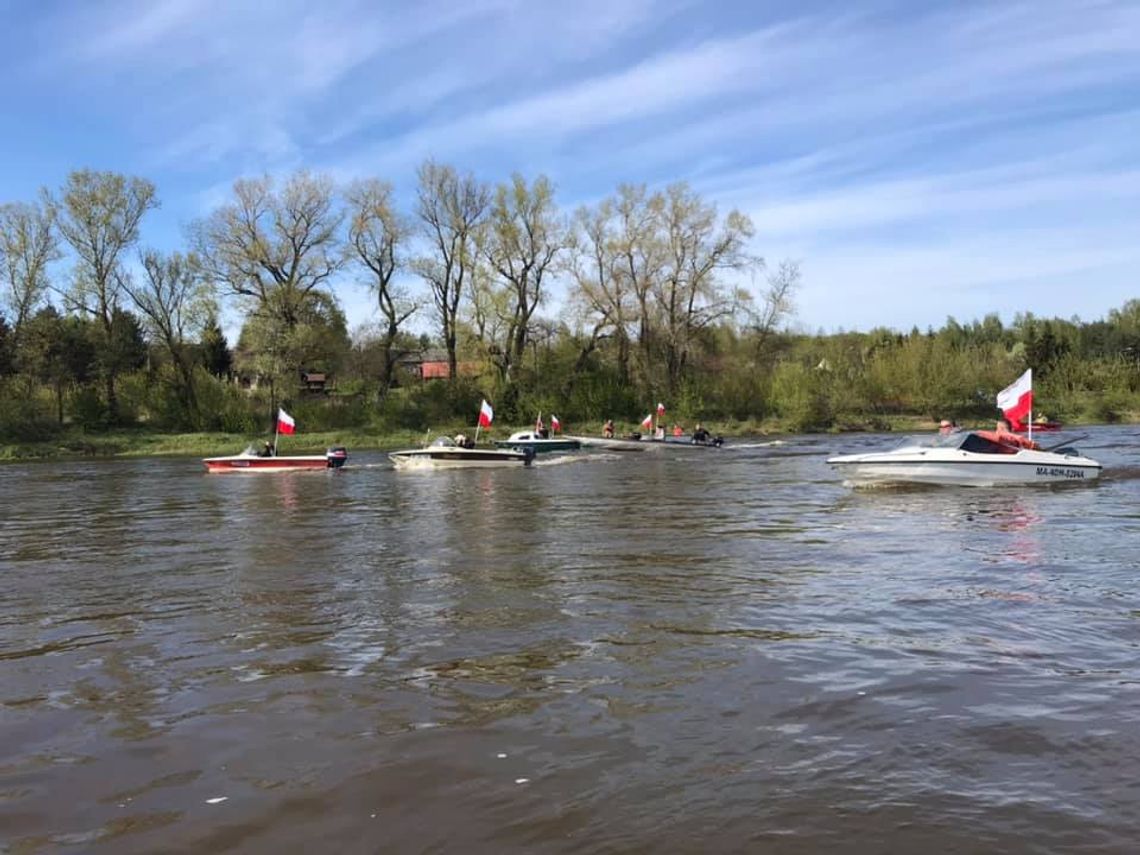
pixel 138 442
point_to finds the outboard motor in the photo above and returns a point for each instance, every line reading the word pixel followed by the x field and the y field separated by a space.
pixel 336 456
pixel 718 441
pixel 528 453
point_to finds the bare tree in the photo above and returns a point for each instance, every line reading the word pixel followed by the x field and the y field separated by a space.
pixel 28 244
pixel 275 248
pixel 777 304
pixel 639 256
pixel 98 215
pixel 689 295
pixel 376 236
pixel 452 210
pixel 526 236
pixel 598 290
pixel 173 299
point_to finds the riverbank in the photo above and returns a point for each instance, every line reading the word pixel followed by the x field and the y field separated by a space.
pixel 137 442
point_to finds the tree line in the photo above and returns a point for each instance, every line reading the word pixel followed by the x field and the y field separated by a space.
pixel 646 295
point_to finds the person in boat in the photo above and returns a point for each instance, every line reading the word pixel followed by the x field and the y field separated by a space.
pixel 1003 434
pixel 700 434
pixel 608 429
pixel 946 427
pixel 677 431
pixel 266 450
pixel 463 441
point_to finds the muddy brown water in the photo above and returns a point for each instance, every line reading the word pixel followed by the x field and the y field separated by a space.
pixel 692 651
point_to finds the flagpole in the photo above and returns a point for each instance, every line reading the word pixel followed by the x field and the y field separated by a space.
pixel 276 433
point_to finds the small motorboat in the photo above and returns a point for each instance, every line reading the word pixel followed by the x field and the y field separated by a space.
pixel 251 460
pixel 631 442
pixel 445 453
pixel 692 442
pixel 966 458
pixel 529 439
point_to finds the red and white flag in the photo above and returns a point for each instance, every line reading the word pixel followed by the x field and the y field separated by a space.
pixel 1016 399
pixel 285 422
pixel 660 410
pixel 486 414
pixel 555 425
pixel 647 422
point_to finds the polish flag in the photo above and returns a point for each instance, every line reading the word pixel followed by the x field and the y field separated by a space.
pixel 486 414
pixel 660 410
pixel 555 425
pixel 1016 399
pixel 285 422
pixel 647 422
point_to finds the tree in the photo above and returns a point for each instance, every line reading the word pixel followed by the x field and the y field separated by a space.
pixel 28 244
pixel 58 351
pixel 174 299
pixel 452 210
pixel 778 304
pixel 598 288
pixel 276 250
pixel 639 256
pixel 215 350
pixel 376 234
pixel 526 236
pixel 98 215
pixel 689 295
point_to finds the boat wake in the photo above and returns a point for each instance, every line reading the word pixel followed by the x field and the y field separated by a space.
pixel 775 443
pixel 564 459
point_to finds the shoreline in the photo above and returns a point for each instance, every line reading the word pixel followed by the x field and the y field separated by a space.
pixel 137 442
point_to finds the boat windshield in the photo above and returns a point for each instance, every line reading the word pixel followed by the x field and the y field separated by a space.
pixel 443 442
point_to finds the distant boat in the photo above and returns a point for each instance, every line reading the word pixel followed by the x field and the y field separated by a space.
pixel 445 453
pixel 529 439
pixel 1039 425
pixel 251 461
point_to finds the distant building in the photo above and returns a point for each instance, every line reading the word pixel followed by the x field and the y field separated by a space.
pixel 432 365
pixel 314 381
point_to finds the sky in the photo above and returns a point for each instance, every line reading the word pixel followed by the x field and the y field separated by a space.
pixel 918 159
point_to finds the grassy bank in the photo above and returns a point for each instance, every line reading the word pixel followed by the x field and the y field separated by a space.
pixel 144 443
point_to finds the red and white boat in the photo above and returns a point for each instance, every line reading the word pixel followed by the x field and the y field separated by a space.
pixel 251 461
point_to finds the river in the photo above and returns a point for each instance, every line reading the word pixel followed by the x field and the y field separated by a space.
pixel 689 651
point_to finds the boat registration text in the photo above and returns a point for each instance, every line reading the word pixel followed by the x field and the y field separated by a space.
pixel 1060 472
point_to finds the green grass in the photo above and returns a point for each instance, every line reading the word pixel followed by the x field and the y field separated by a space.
pixel 146 443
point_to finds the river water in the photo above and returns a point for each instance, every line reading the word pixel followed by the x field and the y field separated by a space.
pixel 685 651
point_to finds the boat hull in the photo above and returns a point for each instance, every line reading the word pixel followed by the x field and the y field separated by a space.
pixel 239 463
pixel 1027 467
pixel 458 458
pixel 539 446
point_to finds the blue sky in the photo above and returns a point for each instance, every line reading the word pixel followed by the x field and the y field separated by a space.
pixel 919 159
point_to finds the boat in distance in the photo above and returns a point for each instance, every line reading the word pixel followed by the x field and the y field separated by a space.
pixel 445 453
pixel 251 461
pixel 637 442
pixel 529 439
pixel 965 458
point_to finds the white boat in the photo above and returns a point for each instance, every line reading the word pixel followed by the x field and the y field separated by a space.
pixel 252 460
pixel 967 458
pixel 615 443
pixel 444 453
pixel 529 439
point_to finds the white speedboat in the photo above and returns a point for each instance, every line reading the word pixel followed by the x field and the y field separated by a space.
pixel 529 439
pixel 444 453
pixel 967 458
pixel 251 460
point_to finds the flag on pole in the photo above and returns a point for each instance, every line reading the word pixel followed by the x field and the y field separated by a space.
pixel 647 422
pixel 285 422
pixel 486 414
pixel 555 425
pixel 1016 399
pixel 660 410
pixel 538 424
